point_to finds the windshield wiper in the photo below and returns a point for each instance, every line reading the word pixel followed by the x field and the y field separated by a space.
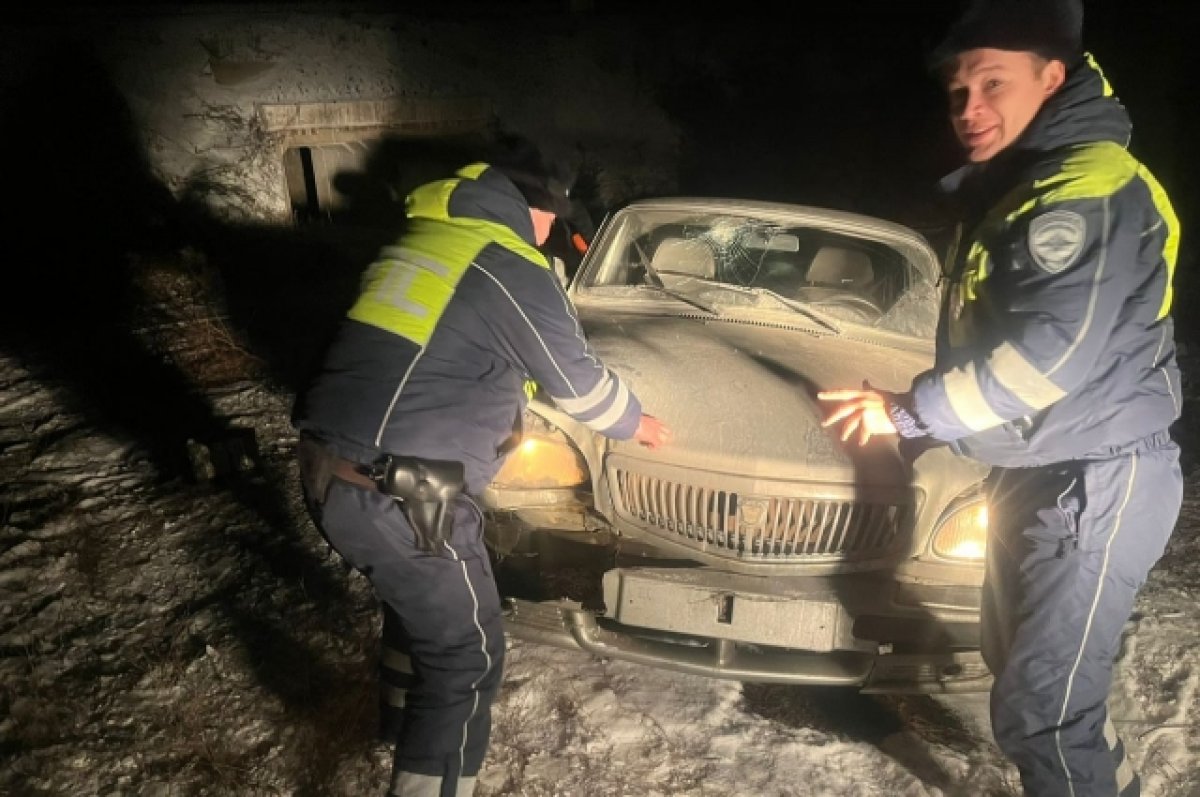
pixel 654 280
pixel 812 315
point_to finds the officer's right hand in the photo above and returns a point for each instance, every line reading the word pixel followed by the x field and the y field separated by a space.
pixel 863 411
pixel 652 432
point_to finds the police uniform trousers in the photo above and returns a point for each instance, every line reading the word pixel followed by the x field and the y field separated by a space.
pixel 1069 547
pixel 443 640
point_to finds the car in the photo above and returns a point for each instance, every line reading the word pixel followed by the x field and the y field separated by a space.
pixel 756 545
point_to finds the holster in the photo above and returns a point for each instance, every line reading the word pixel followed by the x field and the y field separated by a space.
pixel 426 488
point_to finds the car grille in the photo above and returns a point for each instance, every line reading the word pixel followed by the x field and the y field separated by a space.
pixel 768 528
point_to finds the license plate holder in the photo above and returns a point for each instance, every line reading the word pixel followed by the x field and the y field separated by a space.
pixel 682 602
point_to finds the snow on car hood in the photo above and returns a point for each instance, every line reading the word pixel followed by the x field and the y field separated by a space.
pixel 742 396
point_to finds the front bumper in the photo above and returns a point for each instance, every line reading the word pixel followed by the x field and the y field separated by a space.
pixel 566 624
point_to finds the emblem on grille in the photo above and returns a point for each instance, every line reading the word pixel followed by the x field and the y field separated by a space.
pixel 752 512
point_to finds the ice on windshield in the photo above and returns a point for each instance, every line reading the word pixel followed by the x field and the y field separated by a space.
pixel 731 260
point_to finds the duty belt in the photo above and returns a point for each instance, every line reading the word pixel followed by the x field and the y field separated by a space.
pixel 424 488
pixel 350 471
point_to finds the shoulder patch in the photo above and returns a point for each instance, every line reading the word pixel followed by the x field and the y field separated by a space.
pixel 1056 239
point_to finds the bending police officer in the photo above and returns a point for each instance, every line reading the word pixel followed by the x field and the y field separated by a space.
pixel 418 400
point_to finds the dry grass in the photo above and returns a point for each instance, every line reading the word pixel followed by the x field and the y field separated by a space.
pixel 182 318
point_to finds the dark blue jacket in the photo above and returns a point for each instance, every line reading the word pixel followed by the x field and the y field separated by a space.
pixel 1056 341
pixel 453 322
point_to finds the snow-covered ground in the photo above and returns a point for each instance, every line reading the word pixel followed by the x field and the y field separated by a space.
pixel 189 637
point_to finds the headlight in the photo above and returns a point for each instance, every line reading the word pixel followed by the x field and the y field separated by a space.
pixel 544 459
pixel 962 534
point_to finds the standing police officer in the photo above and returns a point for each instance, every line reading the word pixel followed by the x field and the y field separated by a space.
pixel 414 412
pixel 1055 365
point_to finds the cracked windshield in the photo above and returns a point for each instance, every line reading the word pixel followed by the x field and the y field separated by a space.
pixel 720 262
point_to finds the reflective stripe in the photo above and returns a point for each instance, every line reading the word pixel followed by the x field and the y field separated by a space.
pixel 1110 733
pixel 1021 378
pixel 1162 341
pixel 473 171
pixel 578 406
pixel 400 253
pixel 383 422
pixel 966 399
pixel 1171 245
pixel 1087 628
pixel 406 294
pixel 1093 297
pixel 570 310
pixel 412 784
pixel 431 200
pixel 532 328
pixel 976 269
pixel 1125 773
pixel 487 657
pixel 393 696
pixel 1091 171
pixel 615 411
pixel 407 289
pixel 1091 61
pixel 396 660
pixel 1100 169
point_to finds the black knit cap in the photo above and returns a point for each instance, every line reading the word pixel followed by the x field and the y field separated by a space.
pixel 1051 28
pixel 544 183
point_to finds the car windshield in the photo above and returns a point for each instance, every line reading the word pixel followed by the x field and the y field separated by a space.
pixel 723 260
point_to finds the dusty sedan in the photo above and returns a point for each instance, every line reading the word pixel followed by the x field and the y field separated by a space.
pixel 756 545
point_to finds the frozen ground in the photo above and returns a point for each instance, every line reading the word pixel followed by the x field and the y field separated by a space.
pixel 188 637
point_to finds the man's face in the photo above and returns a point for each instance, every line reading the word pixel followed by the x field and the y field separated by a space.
pixel 994 95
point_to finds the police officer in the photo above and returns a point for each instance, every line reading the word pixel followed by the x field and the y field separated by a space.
pixel 1056 365
pixel 414 411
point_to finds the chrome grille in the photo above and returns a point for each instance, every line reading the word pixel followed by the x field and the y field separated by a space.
pixel 768 528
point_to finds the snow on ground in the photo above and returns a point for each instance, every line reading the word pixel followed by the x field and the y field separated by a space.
pixel 188 638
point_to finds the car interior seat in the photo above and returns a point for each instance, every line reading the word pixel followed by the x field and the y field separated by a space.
pixel 837 267
pixel 685 256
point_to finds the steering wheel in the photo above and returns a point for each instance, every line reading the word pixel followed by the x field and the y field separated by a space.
pixel 833 297
pixel 852 300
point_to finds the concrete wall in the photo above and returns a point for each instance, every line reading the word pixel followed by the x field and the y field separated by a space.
pixel 220 94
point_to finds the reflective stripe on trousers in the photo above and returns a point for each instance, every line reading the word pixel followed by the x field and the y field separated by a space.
pixel 443 648
pixel 1070 545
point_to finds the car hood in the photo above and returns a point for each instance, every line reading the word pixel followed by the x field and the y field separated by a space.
pixel 741 395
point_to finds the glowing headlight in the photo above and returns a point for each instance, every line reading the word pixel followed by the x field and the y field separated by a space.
pixel 962 534
pixel 543 461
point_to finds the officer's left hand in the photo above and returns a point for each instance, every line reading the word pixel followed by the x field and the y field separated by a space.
pixel 863 410
pixel 652 432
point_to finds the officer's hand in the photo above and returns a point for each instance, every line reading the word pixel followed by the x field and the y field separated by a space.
pixel 863 410
pixel 652 432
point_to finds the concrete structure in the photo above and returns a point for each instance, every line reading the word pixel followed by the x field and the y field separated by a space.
pixel 268 112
